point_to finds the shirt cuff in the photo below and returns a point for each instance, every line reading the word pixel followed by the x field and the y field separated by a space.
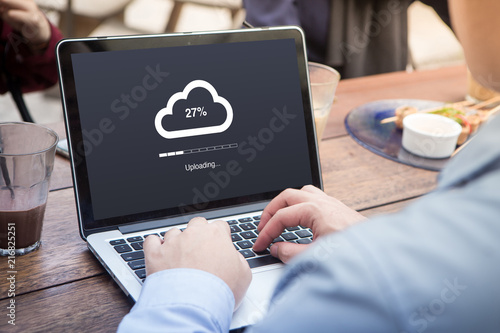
pixel 182 299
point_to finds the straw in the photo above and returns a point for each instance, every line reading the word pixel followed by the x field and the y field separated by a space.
pixel 5 174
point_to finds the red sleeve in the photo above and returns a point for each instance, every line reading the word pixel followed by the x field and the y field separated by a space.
pixel 33 70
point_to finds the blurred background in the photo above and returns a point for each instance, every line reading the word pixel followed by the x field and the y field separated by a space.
pixel 431 43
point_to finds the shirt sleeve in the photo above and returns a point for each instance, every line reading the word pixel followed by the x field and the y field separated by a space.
pixel 431 268
pixel 33 70
pixel 181 300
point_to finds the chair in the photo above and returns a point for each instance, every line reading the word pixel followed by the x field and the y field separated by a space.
pixel 79 17
pixel 234 6
pixel 158 16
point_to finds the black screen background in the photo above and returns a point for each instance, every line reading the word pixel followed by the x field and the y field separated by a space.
pixel 126 176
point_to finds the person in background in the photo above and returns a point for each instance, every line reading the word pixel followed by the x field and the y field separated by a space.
pixel 27 46
pixel 357 38
pixel 432 267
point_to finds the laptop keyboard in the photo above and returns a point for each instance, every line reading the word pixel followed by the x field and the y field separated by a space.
pixel 243 234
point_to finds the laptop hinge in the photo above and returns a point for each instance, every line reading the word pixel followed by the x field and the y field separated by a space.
pixel 168 222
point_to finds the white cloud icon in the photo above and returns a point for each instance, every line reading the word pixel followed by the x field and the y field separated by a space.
pixel 168 110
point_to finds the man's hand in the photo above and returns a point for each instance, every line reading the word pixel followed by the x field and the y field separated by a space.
pixel 205 246
pixel 25 17
pixel 309 207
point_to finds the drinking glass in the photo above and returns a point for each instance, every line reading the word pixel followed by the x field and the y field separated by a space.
pixel 324 81
pixel 27 155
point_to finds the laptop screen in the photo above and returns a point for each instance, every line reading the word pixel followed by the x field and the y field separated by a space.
pixel 168 126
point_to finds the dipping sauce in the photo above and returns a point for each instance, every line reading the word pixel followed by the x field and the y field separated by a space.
pixel 438 125
pixel 430 135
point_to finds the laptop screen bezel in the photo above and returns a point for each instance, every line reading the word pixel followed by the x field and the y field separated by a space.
pixel 66 48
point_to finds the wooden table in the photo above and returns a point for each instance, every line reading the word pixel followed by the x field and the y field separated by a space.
pixel 63 288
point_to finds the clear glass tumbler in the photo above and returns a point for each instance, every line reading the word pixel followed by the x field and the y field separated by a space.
pixel 26 161
pixel 324 81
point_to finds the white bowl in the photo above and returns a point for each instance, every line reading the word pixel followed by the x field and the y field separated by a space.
pixel 430 135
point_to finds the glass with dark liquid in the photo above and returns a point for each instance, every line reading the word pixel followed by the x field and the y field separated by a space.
pixel 26 161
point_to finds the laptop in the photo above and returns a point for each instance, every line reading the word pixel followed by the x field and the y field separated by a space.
pixel 163 128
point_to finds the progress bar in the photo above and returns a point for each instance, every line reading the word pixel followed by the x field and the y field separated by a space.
pixel 198 150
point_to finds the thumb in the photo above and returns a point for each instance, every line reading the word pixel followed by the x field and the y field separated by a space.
pixel 286 251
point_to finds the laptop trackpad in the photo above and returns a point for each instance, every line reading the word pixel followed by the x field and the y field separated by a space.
pixel 257 299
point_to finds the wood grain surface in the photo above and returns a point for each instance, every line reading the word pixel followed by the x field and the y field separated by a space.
pixel 63 256
pixel 90 305
pixel 362 179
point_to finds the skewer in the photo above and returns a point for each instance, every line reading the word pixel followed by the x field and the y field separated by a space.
pixel 466 103
pixel 493 111
pixel 461 147
pixel 388 120
pixel 392 119
pixel 486 103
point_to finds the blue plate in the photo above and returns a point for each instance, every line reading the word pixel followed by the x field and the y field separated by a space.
pixel 363 124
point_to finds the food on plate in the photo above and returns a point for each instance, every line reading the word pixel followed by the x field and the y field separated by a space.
pixel 402 112
pixel 421 128
pixel 469 120
pixel 460 117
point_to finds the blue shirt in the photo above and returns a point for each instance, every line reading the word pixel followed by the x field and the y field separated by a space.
pixel 432 267
pixel 181 300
